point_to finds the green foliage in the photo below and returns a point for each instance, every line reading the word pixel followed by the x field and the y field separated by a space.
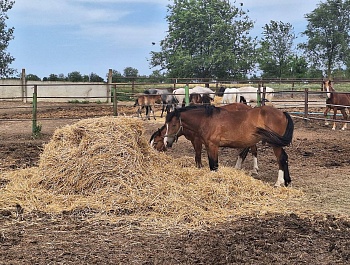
pixel 206 39
pixel 276 50
pixel 117 77
pixel 76 101
pixel 31 77
pixel 6 36
pixel 54 77
pixel 328 33
pixel 37 130
pixel 95 78
pixel 131 72
pixel 75 77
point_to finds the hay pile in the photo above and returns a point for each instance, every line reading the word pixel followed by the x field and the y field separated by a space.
pixel 106 166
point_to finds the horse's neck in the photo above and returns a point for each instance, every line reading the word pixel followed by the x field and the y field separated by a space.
pixel 190 126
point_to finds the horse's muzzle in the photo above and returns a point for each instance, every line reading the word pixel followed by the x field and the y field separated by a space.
pixel 168 141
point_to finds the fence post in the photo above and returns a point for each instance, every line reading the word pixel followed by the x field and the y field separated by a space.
pixel 34 119
pixel 24 87
pixel 258 97
pixel 115 109
pixel 187 95
pixel 263 96
pixel 306 106
pixel 110 77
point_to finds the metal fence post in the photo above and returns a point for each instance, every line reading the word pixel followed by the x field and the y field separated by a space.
pixel 34 113
pixel 306 106
pixel 187 95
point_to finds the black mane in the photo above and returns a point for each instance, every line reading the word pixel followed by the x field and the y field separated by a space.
pixel 209 110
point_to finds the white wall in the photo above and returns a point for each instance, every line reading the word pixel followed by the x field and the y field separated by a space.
pixel 10 89
pixel 52 91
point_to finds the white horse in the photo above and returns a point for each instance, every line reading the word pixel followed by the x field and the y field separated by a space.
pixel 249 93
pixel 231 95
pixel 204 90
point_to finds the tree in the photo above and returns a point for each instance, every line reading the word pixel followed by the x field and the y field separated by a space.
pixel 117 76
pixel 95 78
pixel 327 33
pixel 6 36
pixel 206 39
pixel 31 77
pixel 130 73
pixel 75 77
pixel 276 49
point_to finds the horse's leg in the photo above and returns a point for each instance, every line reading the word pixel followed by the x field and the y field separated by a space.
pixel 325 115
pixel 163 108
pixel 241 157
pixel 212 151
pixel 254 150
pixel 147 112
pixel 283 171
pixel 197 145
pixel 154 116
pixel 335 109
pixel 345 118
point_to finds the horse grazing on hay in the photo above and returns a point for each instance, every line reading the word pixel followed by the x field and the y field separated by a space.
pixel 249 94
pixel 336 101
pixel 198 99
pixel 217 127
pixel 147 101
pixel 157 141
pixel 180 94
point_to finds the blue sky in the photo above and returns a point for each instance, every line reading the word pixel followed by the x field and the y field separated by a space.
pixel 59 37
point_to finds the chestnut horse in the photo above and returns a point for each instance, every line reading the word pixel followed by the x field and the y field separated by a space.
pixel 336 101
pixel 157 141
pixel 147 101
pixel 217 127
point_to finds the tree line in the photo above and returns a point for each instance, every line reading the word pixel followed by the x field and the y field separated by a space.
pixel 211 39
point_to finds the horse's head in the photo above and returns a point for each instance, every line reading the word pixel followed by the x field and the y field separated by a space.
pixel 327 85
pixel 174 128
pixel 157 139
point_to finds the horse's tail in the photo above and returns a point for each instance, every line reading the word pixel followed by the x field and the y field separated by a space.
pixel 276 140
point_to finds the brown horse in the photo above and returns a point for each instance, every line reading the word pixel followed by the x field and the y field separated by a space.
pixel 157 141
pixel 147 101
pixel 336 101
pixel 196 98
pixel 217 127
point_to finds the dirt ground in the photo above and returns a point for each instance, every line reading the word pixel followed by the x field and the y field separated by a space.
pixel 319 161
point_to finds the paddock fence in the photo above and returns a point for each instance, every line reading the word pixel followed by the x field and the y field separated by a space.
pixel 302 98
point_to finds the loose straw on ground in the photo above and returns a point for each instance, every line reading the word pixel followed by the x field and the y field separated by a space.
pixel 107 166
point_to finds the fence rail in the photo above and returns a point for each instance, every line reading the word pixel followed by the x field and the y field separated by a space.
pixel 297 101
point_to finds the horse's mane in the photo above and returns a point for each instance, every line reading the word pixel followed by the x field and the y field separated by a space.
pixel 157 132
pixel 209 110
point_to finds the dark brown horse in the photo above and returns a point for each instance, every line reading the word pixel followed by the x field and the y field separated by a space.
pixel 217 127
pixel 336 101
pixel 147 101
pixel 157 141
pixel 196 98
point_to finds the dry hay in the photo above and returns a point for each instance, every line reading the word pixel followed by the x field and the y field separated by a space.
pixel 105 165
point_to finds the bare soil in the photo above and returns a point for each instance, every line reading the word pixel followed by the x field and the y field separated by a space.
pixel 319 160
